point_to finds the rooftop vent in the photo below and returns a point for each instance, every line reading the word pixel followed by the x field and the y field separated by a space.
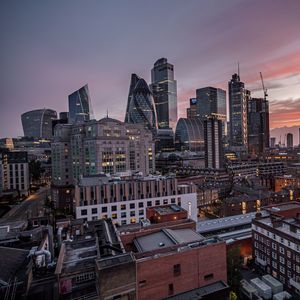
pixel 161 244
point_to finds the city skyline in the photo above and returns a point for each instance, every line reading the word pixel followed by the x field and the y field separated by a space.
pixel 42 66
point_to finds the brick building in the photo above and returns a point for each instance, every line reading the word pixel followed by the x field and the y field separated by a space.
pixel 276 243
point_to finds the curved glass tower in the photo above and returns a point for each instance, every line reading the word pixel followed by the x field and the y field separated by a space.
pixel 80 107
pixel 38 123
pixel 140 106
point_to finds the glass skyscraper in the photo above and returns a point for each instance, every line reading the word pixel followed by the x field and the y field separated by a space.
pixel 38 123
pixel 80 107
pixel 211 101
pixel 164 89
pixel 140 106
pixel 238 99
pixel 258 125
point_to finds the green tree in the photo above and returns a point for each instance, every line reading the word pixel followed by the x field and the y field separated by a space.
pixel 234 268
pixel 232 296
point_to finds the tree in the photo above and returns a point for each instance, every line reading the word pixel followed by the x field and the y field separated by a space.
pixel 232 296
pixel 234 268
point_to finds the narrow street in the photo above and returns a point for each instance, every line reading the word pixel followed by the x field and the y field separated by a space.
pixel 30 207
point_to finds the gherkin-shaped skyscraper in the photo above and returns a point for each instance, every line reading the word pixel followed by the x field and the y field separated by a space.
pixel 140 106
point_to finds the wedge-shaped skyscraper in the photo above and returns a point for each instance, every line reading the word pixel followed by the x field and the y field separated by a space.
pixel 80 107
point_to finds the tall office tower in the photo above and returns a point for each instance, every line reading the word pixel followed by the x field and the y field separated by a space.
pixel 140 106
pixel 273 142
pixel 211 101
pixel 289 140
pixel 164 89
pixel 38 123
pixel 80 107
pixel 214 156
pixel 258 125
pixel 238 98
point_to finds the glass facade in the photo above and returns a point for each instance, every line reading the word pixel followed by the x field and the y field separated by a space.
pixel 258 125
pixel 80 108
pixel 164 89
pixel 38 123
pixel 189 135
pixel 238 99
pixel 141 107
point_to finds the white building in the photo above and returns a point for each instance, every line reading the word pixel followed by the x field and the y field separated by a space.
pixel 125 200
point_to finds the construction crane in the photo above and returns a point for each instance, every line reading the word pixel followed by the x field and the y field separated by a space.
pixel 263 86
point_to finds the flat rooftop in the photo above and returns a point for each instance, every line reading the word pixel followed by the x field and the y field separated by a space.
pixel 166 238
pixel 198 293
pixel 223 223
pixel 168 209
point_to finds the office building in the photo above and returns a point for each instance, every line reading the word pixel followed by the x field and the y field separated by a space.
pixel 164 140
pixel 80 107
pixel 164 89
pixel 289 140
pixel 140 105
pixel 38 123
pixel 14 171
pixel 276 243
pixel 107 146
pixel 214 156
pixel 238 99
pixel 258 125
pixel 211 101
pixel 189 135
pixel 63 119
pixel 192 112
pixel 273 142
pixel 125 199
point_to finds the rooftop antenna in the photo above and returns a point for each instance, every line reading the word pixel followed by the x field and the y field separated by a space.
pixel 107 113
pixel 238 68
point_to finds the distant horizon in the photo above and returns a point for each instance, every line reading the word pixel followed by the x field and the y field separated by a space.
pixel 51 49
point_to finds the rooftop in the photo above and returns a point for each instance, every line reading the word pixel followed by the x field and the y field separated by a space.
pixel 166 238
pixel 222 223
pixel 168 209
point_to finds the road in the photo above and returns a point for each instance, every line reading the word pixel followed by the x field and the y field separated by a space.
pixel 29 208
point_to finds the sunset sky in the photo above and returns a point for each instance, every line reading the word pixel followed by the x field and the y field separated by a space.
pixel 51 48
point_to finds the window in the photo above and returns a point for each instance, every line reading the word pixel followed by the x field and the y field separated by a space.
pixel 132 205
pixel 281 250
pixel 177 270
pixel 141 212
pixel 84 212
pixel 141 204
pixel 132 214
pixel 94 210
pixel 157 202
pixel 123 206
pixel 165 201
pixel 84 277
pixel 208 276
pixel 173 200
pixel 123 214
pixel 149 203
pixel 171 289
pixel 114 216
pixel 114 208
pixel 104 209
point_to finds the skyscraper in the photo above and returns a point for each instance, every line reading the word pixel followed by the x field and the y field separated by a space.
pixel 289 140
pixel 258 125
pixel 211 101
pixel 273 142
pixel 38 123
pixel 238 98
pixel 80 107
pixel 214 156
pixel 140 106
pixel 164 89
